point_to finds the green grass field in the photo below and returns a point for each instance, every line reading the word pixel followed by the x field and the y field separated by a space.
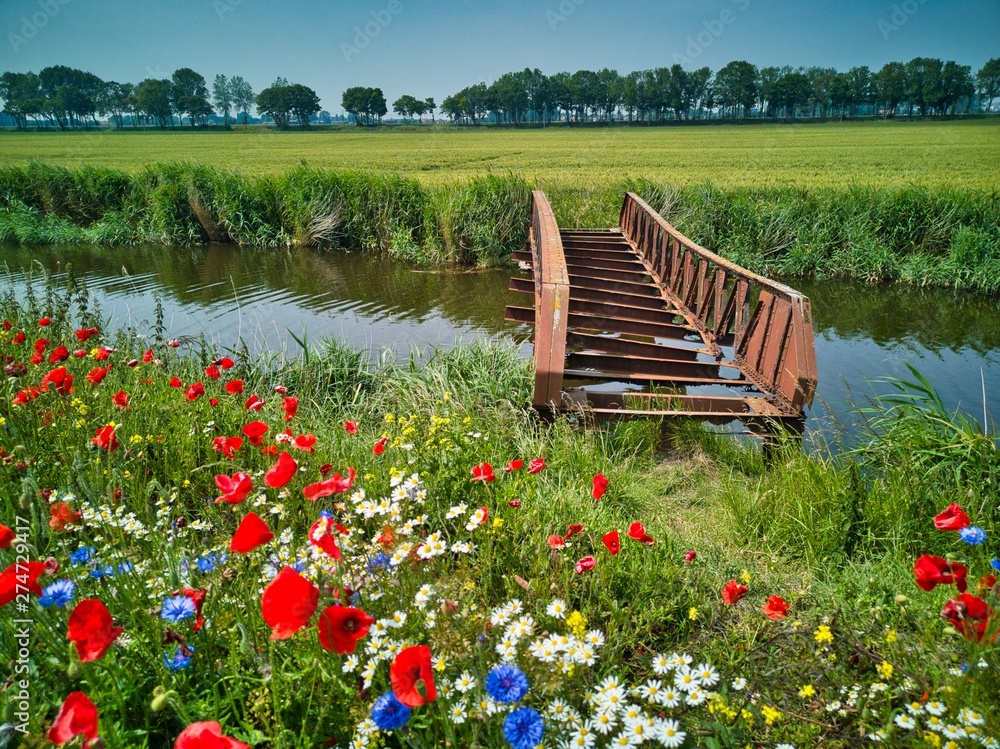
pixel 879 154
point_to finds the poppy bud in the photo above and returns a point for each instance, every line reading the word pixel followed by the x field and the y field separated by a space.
pixel 161 699
pixel 133 363
pixel 73 670
pixel 901 599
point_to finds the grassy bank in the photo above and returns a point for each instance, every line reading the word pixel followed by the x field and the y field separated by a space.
pixel 114 480
pixel 890 154
pixel 929 236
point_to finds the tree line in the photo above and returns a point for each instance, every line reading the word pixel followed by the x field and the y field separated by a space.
pixel 925 86
pixel 67 97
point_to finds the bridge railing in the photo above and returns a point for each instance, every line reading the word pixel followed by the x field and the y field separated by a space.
pixel 768 324
pixel 551 302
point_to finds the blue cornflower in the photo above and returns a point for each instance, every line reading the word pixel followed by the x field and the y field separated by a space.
pixel 180 659
pixel 506 683
pixel 378 562
pixel 523 728
pixel 102 571
pixel 124 568
pixel 58 593
pixel 328 514
pixel 995 564
pixel 389 713
pixel 177 608
pixel 207 562
pixel 82 555
pixel 973 535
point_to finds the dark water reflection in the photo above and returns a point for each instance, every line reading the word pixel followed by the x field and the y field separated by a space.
pixel 863 333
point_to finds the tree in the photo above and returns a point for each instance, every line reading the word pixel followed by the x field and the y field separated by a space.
pixel 453 107
pixel 188 93
pixel 859 87
pixel 956 84
pixel 242 95
pixel 988 81
pixel 366 104
pixel 222 97
pixel 923 83
pixel 791 91
pixel 275 102
pixel 406 106
pixel 303 102
pixel 114 101
pixel 153 98
pixel 889 85
pixel 22 96
pixel 430 106
pixel 736 87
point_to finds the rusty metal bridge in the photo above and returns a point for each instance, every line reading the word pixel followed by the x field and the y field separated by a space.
pixel 639 321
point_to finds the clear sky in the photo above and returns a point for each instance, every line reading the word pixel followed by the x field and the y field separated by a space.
pixel 428 48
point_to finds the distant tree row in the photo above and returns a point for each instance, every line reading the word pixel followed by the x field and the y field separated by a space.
pixel 925 86
pixel 67 98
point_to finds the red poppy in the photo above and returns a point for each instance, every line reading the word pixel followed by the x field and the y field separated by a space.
pixel 20 578
pixel 305 442
pixel 255 431
pixel 225 363
pixel 555 542
pixel 7 537
pixel 291 406
pixel 931 571
pixel 321 535
pixel 175 382
pixel 412 676
pixel 324 470
pixel 253 403
pixel 775 608
pixel 60 379
pixel 84 333
pixel 336 484
pixel 282 471
pixel 97 374
pixel 102 353
pixel 227 445
pixel 612 542
pixel 25 395
pixel 952 518
pixel 213 402
pixel 79 353
pixel 59 353
pixel 584 565
pixel 638 532
pixel 77 716
pixel 970 615
pixel 198 599
pixel 288 602
pixel 513 465
pixel 148 356
pixel 733 592
pixel 689 556
pixel 212 372
pixel 91 629
pixel 351 427
pixel 207 735
pixel 253 532
pixel 536 465
pixel 62 515
pixel 234 387
pixel 340 628
pixel 120 399
pixel 280 389
pixel 600 486
pixel 573 529
pixel 379 447
pixel 18 338
pixel 105 438
pixel 45 322
pixel 483 472
pixel 986 582
pixel 515 503
pixel 194 392
pixel 234 488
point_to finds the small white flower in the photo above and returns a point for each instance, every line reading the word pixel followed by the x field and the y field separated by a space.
pixel 739 684
pixel 935 708
pixel 465 682
pixel 905 721
pixel 877 736
pixel 556 609
pixel 669 733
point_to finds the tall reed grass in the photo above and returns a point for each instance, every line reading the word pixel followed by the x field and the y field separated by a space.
pixel 919 235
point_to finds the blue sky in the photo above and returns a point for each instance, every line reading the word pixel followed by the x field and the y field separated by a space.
pixel 434 49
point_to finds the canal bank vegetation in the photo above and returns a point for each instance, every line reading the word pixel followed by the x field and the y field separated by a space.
pixel 612 580
pixel 919 235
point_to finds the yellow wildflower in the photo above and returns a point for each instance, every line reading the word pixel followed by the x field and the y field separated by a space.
pixel 497 522
pixel 932 739
pixel 577 623
pixel 746 577
pixel 823 634
pixel 771 716
pixel 806 691
pixel 692 613
pixel 389 418
pixel 884 670
pixel 890 636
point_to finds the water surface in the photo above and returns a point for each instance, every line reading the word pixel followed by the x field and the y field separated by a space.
pixel 261 299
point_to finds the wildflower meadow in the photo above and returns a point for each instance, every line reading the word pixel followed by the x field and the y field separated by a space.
pixel 206 548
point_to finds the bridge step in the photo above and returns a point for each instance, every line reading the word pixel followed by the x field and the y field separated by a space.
pixel 630 347
pixel 618 376
pixel 637 365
